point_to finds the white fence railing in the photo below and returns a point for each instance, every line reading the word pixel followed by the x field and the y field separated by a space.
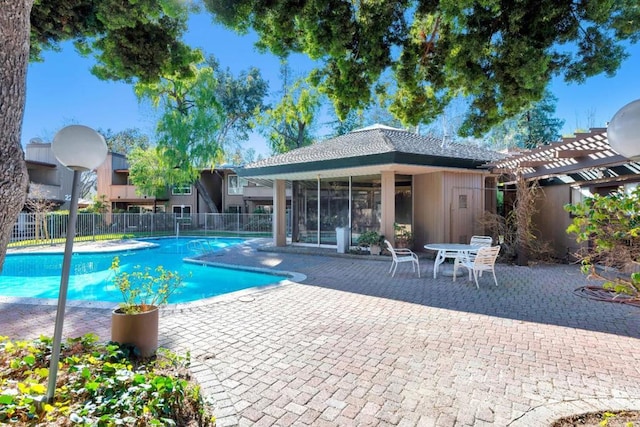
pixel 50 228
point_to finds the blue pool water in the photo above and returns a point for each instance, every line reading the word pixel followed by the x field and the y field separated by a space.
pixel 38 275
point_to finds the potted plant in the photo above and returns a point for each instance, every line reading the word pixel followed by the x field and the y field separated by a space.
pixel 371 239
pixel 143 291
pixel 403 237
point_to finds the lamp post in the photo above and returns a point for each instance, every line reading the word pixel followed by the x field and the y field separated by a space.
pixel 623 131
pixel 80 149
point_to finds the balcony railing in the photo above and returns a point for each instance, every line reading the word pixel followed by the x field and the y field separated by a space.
pixel 126 192
pixel 45 191
pixel 260 192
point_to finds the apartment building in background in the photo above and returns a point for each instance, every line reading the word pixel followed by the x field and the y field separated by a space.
pixel 229 192
pixel 48 179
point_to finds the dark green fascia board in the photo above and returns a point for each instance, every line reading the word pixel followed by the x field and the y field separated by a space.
pixel 371 160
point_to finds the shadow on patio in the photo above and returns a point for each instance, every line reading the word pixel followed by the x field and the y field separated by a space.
pixel 541 293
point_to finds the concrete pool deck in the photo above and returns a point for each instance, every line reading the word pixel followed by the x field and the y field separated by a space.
pixel 352 346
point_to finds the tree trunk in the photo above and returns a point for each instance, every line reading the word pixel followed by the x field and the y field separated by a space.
pixel 522 255
pixel 14 58
pixel 206 197
pixel 525 208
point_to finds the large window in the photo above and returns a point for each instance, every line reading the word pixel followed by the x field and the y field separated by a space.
pixel 235 185
pixel 182 211
pixel 306 211
pixel 334 208
pixel 140 209
pixel 181 190
pixel 321 207
pixel 366 210
pixel 404 209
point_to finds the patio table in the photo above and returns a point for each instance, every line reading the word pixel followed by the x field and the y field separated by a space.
pixel 449 250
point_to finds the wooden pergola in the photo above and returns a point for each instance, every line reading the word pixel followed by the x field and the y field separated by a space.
pixel 583 157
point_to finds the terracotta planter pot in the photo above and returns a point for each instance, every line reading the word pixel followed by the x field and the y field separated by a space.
pixel 401 243
pixel 140 330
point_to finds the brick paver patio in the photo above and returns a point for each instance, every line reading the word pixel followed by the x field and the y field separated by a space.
pixel 352 346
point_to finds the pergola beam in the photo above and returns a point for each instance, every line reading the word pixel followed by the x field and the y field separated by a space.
pixel 534 163
pixel 587 163
pixel 503 171
pixel 571 154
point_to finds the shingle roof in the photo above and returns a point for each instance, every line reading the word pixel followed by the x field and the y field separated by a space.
pixel 374 141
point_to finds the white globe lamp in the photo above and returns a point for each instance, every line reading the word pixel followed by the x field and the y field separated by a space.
pixel 80 149
pixel 623 131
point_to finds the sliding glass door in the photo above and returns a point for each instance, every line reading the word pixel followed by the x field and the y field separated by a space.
pixel 334 208
pixel 321 206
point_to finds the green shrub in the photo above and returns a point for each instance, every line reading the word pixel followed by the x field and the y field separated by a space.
pixel 143 289
pixel 612 226
pixel 369 238
pixel 98 385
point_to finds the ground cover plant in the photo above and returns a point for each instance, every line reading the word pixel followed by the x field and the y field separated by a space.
pixel 98 385
pixel 601 419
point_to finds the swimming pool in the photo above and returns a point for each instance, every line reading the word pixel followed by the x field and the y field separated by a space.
pixel 38 275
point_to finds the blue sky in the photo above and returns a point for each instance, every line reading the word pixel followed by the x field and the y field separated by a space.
pixel 62 91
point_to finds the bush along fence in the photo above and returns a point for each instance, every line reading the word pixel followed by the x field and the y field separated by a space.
pixel 51 227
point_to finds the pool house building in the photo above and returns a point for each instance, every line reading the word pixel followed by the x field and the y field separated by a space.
pixel 377 178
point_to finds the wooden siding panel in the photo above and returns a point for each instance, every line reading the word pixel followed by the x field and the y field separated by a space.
pixel 463 201
pixel 550 220
pixel 103 180
pixel 40 152
pixel 428 213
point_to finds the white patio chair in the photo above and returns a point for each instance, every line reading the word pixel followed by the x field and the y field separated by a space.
pixel 485 260
pixel 402 255
pixel 482 241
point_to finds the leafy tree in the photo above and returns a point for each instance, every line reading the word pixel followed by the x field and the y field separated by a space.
pixel 118 142
pixel 241 98
pixel 500 54
pixel 100 205
pixel 235 158
pixel 357 119
pixel 353 120
pixel 446 127
pixel 249 155
pixel 185 132
pixel 124 141
pixel 379 114
pixel 288 125
pixel 130 41
pixel 530 129
pixel 152 171
pixel 201 112
pixel 240 157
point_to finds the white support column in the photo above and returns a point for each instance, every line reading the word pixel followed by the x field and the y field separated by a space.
pixel 279 213
pixel 388 198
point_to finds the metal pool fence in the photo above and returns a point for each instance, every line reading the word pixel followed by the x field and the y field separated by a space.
pixel 51 228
